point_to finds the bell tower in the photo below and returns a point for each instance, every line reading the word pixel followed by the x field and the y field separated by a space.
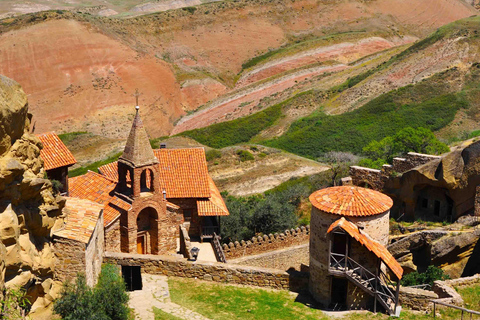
pixel 139 183
pixel 138 164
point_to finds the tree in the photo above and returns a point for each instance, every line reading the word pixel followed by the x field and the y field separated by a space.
pixel 339 163
pixel 419 140
pixel 107 301
pixel 110 292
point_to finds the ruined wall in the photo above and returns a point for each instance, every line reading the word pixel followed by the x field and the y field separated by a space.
pixel 366 177
pixel 94 253
pixel 70 259
pixel 283 259
pixel 211 271
pixel 266 243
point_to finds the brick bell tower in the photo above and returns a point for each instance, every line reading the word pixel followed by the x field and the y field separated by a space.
pixel 139 184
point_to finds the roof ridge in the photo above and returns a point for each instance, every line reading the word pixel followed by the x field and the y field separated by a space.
pixel 98 174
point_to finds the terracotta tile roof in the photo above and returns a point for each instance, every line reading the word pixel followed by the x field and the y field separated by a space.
pixel 55 153
pixel 372 245
pixel 81 218
pixel 183 172
pixel 213 206
pixel 98 188
pixel 351 201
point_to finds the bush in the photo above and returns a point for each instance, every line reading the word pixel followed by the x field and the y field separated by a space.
pixel 428 277
pixel 107 301
pixel 14 304
pixel 213 154
pixel 245 155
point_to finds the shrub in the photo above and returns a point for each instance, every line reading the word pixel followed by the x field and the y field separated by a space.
pixel 428 277
pixel 57 186
pixel 107 301
pixel 245 155
pixel 14 304
pixel 213 154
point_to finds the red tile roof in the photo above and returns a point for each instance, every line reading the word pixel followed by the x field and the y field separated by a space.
pixel 351 201
pixel 81 218
pixel 183 172
pixel 213 206
pixel 55 154
pixel 98 188
pixel 372 245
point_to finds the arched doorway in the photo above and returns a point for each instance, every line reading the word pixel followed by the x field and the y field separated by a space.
pixel 147 231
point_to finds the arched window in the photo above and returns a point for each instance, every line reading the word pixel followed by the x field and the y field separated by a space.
pixel 146 181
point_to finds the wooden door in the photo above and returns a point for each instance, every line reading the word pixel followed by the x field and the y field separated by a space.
pixel 141 245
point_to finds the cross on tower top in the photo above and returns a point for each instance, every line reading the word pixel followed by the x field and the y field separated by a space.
pixel 136 95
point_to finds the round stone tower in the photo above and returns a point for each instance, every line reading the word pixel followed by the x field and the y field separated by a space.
pixel 366 212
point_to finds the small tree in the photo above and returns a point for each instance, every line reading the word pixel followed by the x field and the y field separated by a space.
pixel 339 163
pixel 14 304
pixel 110 292
pixel 107 301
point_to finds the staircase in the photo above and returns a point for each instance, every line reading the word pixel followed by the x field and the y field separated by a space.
pixel 378 286
pixel 217 248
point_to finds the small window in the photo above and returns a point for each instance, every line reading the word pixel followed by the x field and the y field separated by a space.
pixel 425 203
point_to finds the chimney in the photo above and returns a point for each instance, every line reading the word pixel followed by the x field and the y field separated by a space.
pixel 163 145
pixel 164 194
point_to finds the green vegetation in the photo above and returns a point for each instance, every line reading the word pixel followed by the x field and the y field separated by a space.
pixel 213 154
pixel 93 166
pixel 70 136
pixel 162 315
pixel 224 302
pixel 428 277
pixel 406 140
pixel 274 211
pixel 245 155
pixel 240 130
pixel 384 116
pixel 106 301
pixel 14 304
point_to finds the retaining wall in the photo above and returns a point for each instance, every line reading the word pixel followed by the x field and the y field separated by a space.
pixel 211 271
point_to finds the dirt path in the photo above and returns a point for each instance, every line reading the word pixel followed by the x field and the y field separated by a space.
pixel 155 294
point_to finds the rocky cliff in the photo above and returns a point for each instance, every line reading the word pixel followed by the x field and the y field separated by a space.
pixel 29 208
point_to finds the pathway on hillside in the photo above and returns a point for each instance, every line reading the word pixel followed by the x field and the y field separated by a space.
pixel 155 294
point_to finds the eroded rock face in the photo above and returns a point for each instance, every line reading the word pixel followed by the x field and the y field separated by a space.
pixel 28 207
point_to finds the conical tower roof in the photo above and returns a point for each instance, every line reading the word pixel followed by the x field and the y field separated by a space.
pixel 138 152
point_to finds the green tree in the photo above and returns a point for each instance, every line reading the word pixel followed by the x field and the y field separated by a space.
pixel 77 302
pixel 409 139
pixel 110 292
pixel 106 301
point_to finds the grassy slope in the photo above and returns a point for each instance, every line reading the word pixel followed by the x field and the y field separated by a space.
pixel 218 301
pixel 432 103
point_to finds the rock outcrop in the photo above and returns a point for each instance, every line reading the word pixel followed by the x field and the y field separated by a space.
pixel 29 208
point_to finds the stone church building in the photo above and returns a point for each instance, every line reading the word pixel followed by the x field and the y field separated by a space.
pixel 148 194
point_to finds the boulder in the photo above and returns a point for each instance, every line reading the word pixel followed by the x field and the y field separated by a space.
pixel 414 241
pixel 407 264
pixel 448 248
pixel 13 113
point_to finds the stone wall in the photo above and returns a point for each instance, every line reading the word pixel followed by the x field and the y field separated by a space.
pixel 212 271
pixel 266 243
pixel 70 259
pixel 282 259
pixel 185 244
pixel 476 205
pixel 94 253
pixel 366 177
pixel 416 299
pixel 112 237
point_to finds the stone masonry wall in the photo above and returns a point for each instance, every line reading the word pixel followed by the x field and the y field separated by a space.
pixel 70 259
pixel 271 242
pixel 283 259
pixel 94 253
pixel 366 177
pixel 211 271
pixel 112 237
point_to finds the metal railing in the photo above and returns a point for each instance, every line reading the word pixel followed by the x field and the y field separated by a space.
pixel 217 248
pixel 381 287
pixel 472 312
